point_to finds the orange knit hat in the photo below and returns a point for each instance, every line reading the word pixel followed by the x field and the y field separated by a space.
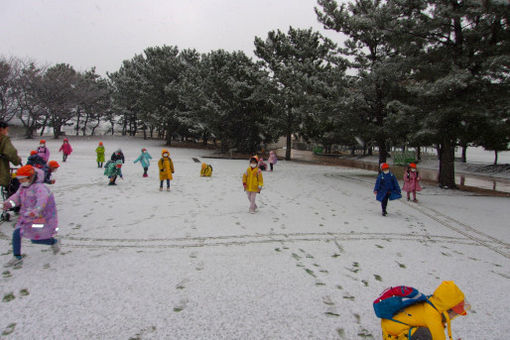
pixel 42 141
pixel 33 152
pixel 412 165
pixel 53 164
pixel 25 171
pixel 385 166
pixel 100 143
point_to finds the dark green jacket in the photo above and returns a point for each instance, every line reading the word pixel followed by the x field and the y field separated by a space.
pixel 7 154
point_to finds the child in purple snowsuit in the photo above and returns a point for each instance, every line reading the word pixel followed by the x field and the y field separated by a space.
pixel 38 214
pixel 412 182
pixel 43 151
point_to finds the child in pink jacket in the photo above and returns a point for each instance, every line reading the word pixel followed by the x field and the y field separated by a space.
pixel 412 182
pixel 272 159
pixel 66 149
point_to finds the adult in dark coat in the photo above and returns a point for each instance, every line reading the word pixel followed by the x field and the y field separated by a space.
pixel 8 154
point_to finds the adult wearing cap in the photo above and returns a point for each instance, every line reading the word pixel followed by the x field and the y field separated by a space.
pixel 38 214
pixel 8 154
pixel 43 151
pixel 426 320
pixel 386 187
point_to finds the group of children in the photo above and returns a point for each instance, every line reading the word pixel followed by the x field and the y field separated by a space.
pixel 387 187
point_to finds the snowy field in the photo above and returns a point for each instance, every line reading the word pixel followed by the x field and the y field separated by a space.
pixel 192 263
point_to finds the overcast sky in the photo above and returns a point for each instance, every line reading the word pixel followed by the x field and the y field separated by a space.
pixel 86 33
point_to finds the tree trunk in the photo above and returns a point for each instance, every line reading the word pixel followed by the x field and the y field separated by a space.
pixel 495 157
pixel 383 151
pixel 56 130
pixel 289 145
pixel 84 129
pixel 113 127
pixel 447 164
pixel 168 135
pixel 464 152
pixel 77 128
pixel 44 126
pixel 151 131
pixel 418 153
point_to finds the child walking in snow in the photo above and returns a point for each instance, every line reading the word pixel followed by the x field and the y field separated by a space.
pixel 100 155
pixel 412 182
pixel 253 182
pixel 66 149
pixel 43 151
pixel 38 214
pixel 145 161
pixel 166 169
pixel 112 169
pixel 272 159
pixel 386 187
pixel 206 170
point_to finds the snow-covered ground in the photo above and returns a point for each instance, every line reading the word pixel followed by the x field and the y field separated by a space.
pixel 192 263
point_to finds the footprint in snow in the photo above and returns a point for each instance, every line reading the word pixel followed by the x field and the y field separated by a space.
pixel 181 305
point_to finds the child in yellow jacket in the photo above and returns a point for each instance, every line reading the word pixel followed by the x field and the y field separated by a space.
pixel 166 169
pixel 206 170
pixel 253 182
pixel 426 320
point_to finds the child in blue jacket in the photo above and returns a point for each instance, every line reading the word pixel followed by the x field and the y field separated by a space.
pixel 386 187
pixel 145 161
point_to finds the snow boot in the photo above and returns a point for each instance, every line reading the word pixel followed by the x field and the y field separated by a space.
pixel 384 213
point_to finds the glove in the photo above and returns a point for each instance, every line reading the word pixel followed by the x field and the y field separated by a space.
pixel 244 186
pixel 52 181
pixel 375 192
pixel 260 188
pixel 161 170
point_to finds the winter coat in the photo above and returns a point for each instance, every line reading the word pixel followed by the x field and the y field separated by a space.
pixel 7 154
pixel 411 181
pixel 37 206
pixel 206 171
pixel 272 158
pixel 387 183
pixel 166 168
pixel 111 170
pixel 100 154
pixel 44 153
pixel 422 314
pixel 252 179
pixel 36 161
pixel 66 149
pixel 116 157
pixel 144 159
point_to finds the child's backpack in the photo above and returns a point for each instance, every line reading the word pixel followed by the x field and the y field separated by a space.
pixel 394 299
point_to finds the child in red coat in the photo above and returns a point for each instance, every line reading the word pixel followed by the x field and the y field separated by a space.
pixel 66 149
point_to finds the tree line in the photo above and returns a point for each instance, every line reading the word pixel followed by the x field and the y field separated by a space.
pixel 410 73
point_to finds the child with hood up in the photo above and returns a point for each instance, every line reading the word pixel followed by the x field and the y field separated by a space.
pixel 66 149
pixel 112 169
pixel 100 155
pixel 206 170
pixel 166 169
pixel 36 160
pixel 145 161
pixel 272 159
pixel 118 155
pixel 43 151
pixel 426 320
pixel 412 182
pixel 38 214
pixel 253 182
pixel 386 187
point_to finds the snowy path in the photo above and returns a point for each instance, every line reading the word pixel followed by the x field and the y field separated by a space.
pixel 192 263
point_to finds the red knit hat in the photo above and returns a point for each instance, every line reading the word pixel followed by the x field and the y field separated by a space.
pixel 385 166
pixel 25 171
pixel 33 152
pixel 100 143
pixel 53 164
pixel 42 141
pixel 412 165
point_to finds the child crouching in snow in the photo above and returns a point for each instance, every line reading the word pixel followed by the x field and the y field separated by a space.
pixel 145 161
pixel 206 170
pixel 112 169
pixel 386 187
pixel 38 214
pixel 411 182
pixel 253 182
pixel 166 169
